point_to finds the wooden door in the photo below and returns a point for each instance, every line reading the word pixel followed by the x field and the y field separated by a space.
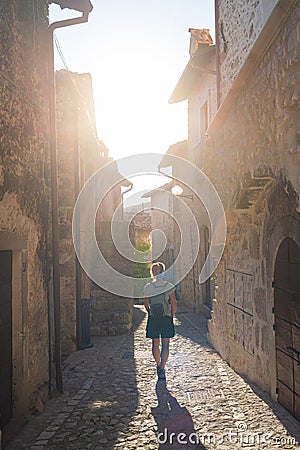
pixel 5 337
pixel 287 325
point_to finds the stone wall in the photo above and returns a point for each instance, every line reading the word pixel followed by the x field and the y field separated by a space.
pixel 241 328
pixel 161 205
pixel 80 154
pixel 258 131
pixel 68 149
pixel 240 23
pixel 24 193
pixel 202 108
pixel 142 227
pixel 254 143
pixel 112 314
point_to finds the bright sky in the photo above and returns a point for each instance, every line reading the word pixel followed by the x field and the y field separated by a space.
pixel 135 50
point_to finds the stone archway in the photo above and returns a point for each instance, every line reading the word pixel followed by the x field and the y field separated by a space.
pixel 287 324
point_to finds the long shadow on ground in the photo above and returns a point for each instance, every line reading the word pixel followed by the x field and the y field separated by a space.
pixel 174 422
pixel 197 332
pixel 100 398
pixel 289 422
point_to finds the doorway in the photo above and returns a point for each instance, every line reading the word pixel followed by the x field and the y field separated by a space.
pixel 6 374
pixel 287 325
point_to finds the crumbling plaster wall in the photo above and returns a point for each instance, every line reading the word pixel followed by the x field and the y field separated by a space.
pixel 79 156
pixel 24 171
pixel 240 23
pixel 258 130
pixel 35 377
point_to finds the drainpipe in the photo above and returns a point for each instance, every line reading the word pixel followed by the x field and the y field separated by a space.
pixel 76 138
pixel 54 186
pixel 122 195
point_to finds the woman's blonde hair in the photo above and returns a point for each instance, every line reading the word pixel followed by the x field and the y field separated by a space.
pixel 157 268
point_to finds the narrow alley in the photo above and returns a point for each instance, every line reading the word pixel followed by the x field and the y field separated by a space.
pixel 112 399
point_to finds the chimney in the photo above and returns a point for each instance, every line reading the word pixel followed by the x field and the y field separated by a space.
pixel 199 37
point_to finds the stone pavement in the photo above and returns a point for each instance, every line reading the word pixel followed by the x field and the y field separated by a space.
pixel 112 400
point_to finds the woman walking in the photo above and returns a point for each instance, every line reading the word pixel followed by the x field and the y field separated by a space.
pixel 160 303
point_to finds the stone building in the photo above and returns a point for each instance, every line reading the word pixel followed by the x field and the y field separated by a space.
pixel 26 313
pixel 251 154
pixel 185 289
pixel 24 213
pixel 142 228
pixel 167 215
pixel 161 219
pixel 80 155
pixel 254 141
pixel 197 84
pixel 113 314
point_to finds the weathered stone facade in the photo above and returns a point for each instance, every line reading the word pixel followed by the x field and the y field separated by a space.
pixel 142 228
pixel 254 142
pixel 250 151
pixel 161 219
pixel 198 85
pixel 26 315
pixel 24 214
pixel 112 314
pixel 80 154
pixel 239 25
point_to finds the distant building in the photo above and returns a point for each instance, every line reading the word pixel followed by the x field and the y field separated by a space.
pixel 142 228
pixel 161 211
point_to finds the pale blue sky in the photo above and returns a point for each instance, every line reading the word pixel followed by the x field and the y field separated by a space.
pixel 135 52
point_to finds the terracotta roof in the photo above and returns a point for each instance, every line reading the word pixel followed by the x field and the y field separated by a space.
pixel 199 37
pixel 164 187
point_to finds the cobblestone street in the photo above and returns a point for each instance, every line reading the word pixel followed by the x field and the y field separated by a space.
pixel 112 400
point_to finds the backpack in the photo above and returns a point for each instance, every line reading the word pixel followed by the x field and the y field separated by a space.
pixel 159 304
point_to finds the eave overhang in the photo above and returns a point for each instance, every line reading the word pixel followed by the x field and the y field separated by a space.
pixel 200 62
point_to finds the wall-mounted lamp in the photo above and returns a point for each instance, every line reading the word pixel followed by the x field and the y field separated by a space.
pixel 178 191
